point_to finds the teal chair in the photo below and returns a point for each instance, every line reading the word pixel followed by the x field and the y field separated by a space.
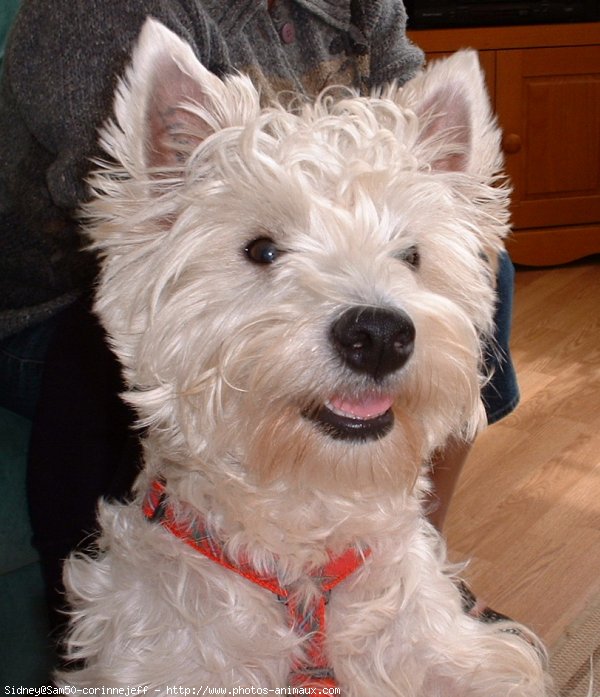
pixel 25 649
pixel 8 9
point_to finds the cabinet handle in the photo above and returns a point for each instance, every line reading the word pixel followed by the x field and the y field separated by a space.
pixel 511 143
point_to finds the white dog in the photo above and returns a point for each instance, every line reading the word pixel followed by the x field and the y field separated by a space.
pixel 298 298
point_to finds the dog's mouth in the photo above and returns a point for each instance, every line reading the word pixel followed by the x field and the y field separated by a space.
pixel 362 418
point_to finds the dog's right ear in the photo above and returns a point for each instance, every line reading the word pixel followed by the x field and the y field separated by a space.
pixel 459 132
pixel 168 103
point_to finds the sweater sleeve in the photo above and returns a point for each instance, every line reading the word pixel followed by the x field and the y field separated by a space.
pixel 394 56
pixel 61 69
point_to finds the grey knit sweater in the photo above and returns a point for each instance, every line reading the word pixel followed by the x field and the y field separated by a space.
pixel 60 70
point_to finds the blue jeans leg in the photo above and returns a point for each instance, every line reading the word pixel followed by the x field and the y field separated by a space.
pixel 22 358
pixel 501 394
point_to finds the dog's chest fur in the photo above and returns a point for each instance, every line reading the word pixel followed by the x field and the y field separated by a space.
pixel 245 628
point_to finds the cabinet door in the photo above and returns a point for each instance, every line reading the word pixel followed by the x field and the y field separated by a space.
pixel 548 102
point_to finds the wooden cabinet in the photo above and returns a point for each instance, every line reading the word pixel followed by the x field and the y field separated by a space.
pixel 545 84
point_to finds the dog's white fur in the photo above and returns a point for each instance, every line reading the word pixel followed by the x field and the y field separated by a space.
pixel 223 357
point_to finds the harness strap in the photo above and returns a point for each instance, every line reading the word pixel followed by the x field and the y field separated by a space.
pixel 308 619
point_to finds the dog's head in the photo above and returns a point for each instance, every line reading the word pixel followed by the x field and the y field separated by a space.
pixel 298 292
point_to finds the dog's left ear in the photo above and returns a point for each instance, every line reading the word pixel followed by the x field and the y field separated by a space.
pixel 458 132
pixel 168 102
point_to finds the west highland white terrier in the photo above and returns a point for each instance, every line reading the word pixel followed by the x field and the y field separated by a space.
pixel 298 296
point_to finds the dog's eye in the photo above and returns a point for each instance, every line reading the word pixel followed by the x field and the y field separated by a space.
pixel 410 256
pixel 262 251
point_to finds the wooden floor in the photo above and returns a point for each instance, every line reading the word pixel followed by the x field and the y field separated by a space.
pixel 527 511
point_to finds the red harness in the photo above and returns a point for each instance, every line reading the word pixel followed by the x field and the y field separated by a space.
pixel 307 619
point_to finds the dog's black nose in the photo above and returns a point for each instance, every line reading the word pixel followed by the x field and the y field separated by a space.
pixel 373 340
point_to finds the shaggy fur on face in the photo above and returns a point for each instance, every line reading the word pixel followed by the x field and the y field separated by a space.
pixel 298 297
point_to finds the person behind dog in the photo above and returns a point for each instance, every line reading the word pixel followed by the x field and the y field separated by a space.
pixel 61 64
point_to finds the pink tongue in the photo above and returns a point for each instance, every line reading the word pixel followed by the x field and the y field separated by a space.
pixel 364 408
